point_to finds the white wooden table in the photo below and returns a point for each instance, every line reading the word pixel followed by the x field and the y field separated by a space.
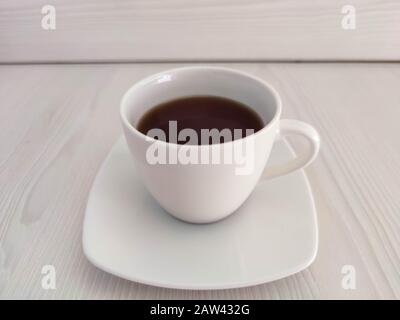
pixel 58 123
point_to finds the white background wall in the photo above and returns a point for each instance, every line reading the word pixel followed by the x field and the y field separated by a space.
pixel 191 30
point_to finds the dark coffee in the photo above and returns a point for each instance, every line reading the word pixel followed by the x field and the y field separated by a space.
pixel 202 112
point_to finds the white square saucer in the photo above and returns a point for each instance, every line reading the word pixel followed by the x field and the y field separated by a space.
pixel 126 233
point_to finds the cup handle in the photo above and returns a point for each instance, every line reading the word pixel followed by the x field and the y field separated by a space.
pixel 295 127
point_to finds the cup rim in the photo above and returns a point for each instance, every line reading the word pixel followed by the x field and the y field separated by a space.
pixel 132 129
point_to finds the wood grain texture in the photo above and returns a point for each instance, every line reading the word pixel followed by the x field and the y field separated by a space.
pixel 176 30
pixel 59 122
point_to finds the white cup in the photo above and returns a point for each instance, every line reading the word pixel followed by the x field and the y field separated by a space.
pixel 202 193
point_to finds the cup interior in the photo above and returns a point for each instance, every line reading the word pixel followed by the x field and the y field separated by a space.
pixel 195 81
